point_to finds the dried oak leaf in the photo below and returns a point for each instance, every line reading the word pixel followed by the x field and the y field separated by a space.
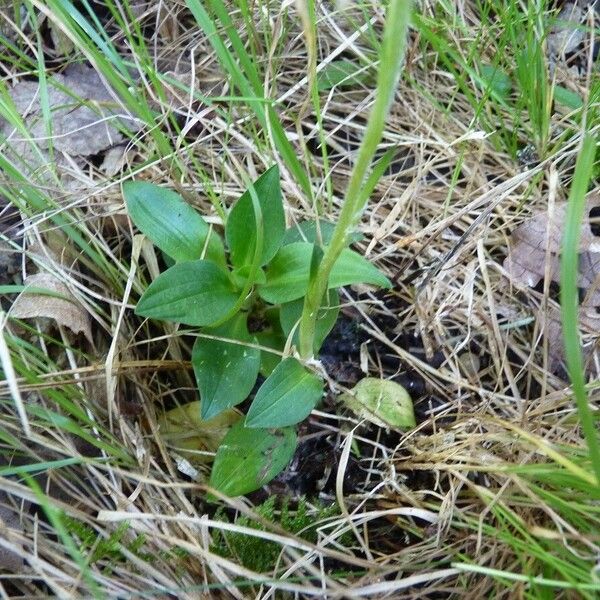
pixel 86 118
pixel 527 257
pixel 65 310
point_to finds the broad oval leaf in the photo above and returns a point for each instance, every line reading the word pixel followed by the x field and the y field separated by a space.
pixel 382 402
pixel 195 293
pixel 286 397
pixel 351 268
pixel 171 223
pixel 289 272
pixel 291 312
pixel 249 458
pixel 567 98
pixel 225 371
pixel 240 230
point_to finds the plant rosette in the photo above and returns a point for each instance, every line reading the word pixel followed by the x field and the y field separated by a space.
pixel 259 274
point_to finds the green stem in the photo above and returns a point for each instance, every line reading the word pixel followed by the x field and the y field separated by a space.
pixel 390 62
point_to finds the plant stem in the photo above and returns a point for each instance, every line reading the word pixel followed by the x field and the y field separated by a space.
pixel 390 62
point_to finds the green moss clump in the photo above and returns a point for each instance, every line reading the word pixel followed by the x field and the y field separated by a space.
pixel 261 555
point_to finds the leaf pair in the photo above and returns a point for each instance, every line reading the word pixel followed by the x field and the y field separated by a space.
pixel 202 293
pixel 226 369
pixel 179 231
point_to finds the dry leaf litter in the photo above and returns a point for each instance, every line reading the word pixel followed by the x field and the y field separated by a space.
pixel 86 120
pixel 535 250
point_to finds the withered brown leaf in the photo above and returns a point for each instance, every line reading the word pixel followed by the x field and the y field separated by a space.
pixel 535 247
pixel 86 118
pixel 536 243
pixel 65 310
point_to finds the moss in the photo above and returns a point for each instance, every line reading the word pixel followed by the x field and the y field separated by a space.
pixel 110 550
pixel 261 555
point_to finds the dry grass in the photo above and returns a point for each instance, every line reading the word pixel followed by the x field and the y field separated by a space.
pixel 462 488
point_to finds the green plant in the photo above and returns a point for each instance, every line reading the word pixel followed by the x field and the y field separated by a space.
pixel 513 95
pixel 109 550
pixel 569 295
pixel 263 275
pixel 360 185
pixel 286 279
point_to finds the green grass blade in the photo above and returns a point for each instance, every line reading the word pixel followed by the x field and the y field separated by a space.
pixel 40 467
pixel 569 295
pixel 247 81
pixel 55 517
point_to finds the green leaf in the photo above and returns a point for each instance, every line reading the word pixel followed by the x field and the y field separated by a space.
pixel 288 274
pixel 194 293
pixel 351 268
pixel 269 360
pixel 306 231
pixel 225 371
pixel 286 397
pixel 240 230
pixel 249 458
pixel 567 98
pixel 328 313
pixel 289 271
pixel 384 403
pixel 496 79
pixel 341 73
pixel 240 276
pixel 315 262
pixel 170 223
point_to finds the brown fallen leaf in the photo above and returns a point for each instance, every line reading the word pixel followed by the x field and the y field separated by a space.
pixel 114 160
pixel 535 246
pixel 589 320
pixel 184 431
pixel 62 307
pixel 526 260
pixel 86 119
